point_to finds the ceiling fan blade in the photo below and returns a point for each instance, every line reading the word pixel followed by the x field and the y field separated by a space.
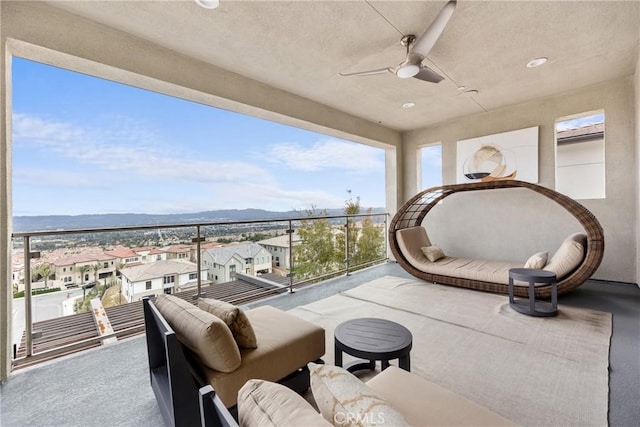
pixel 428 75
pixel 428 39
pixel 368 72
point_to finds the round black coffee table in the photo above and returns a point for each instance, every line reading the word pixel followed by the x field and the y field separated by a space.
pixel 373 339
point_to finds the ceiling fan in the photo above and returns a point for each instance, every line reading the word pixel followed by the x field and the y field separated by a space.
pixel 417 50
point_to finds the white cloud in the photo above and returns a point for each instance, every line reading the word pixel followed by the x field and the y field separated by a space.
pixel 128 149
pixel 328 154
pixel 37 177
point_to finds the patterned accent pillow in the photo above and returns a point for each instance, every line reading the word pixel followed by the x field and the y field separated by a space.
pixel 537 261
pixel 432 253
pixel 344 400
pixel 234 317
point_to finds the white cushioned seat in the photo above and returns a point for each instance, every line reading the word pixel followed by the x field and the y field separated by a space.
pixel 285 343
pixel 423 403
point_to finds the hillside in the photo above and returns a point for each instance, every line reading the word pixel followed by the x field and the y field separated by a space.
pixel 69 222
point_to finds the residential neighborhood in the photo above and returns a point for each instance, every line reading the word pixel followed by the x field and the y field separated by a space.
pixel 150 270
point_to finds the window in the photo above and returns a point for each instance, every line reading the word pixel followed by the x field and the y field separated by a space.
pixel 168 279
pixel 193 276
pixel 430 170
pixel 105 265
pixel 580 151
pixel 147 285
pixel 158 257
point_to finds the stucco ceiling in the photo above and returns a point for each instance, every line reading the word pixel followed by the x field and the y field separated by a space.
pixel 301 46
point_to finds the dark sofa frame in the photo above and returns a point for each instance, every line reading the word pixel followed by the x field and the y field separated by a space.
pixel 176 378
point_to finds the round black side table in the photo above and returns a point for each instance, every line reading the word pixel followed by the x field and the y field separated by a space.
pixel 373 339
pixel 530 306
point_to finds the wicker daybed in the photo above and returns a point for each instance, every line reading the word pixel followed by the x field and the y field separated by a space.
pixel 413 212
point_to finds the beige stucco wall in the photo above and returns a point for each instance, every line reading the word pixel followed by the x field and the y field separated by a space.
pixel 637 189
pixel 512 225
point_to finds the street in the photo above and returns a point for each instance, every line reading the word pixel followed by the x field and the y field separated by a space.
pixel 45 306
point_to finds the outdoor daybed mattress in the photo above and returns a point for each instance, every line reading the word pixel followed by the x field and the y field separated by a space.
pixel 413 240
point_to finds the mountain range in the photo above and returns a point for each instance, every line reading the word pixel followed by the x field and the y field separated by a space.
pixel 69 222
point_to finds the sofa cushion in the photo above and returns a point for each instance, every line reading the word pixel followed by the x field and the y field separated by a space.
pixel 264 403
pixel 432 253
pixel 422 402
pixel 538 260
pixel 235 319
pixel 344 400
pixel 410 240
pixel 568 256
pixel 205 334
pixel 287 343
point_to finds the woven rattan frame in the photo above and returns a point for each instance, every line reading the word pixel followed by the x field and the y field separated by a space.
pixel 413 212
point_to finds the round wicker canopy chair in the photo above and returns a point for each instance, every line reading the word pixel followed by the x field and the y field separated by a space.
pixel 413 212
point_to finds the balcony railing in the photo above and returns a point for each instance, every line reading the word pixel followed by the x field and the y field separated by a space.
pixel 315 248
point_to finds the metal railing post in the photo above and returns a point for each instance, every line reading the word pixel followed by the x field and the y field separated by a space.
pixel 347 257
pixel 198 239
pixel 27 297
pixel 290 232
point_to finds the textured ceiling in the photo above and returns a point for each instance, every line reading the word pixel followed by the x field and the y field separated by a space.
pixel 301 46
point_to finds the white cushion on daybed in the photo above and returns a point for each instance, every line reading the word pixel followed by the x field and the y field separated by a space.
pixel 411 240
pixel 569 256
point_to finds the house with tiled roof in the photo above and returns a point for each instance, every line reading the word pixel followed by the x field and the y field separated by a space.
pixel 166 276
pixel 180 251
pixel 223 262
pixel 279 248
pixel 149 254
pixel 68 272
pixel 124 255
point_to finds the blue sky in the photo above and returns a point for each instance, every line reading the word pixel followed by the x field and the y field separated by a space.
pixel 85 145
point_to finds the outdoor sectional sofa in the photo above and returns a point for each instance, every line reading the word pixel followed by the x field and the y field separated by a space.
pixel 394 397
pixel 574 262
pixel 189 347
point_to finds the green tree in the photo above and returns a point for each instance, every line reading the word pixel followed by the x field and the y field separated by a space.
pixel 370 243
pixel 82 270
pixel 95 268
pixel 351 207
pixel 316 254
pixel 43 271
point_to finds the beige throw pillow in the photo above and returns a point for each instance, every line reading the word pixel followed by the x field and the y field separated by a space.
pixel 344 400
pixel 537 261
pixel 235 319
pixel 568 256
pixel 432 253
pixel 267 404
pixel 205 334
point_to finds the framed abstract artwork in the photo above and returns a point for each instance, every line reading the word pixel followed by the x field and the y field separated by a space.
pixel 501 156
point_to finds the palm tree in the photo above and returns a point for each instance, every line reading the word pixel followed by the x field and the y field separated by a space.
pixel 95 268
pixel 82 270
pixel 44 271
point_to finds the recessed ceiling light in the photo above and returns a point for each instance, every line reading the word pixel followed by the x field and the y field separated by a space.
pixel 408 104
pixel 536 62
pixel 208 4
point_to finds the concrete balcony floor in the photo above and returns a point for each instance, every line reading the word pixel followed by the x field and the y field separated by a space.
pixel 109 385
